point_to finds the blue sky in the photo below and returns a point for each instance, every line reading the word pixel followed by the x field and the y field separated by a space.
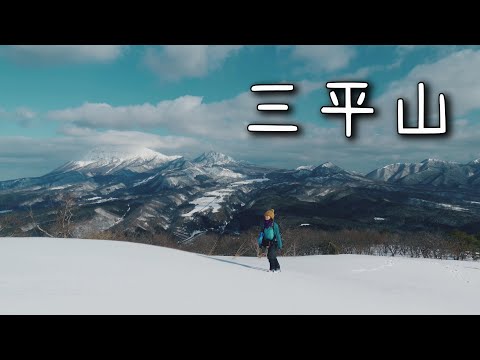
pixel 58 102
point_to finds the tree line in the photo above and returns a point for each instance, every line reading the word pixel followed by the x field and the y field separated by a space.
pixel 298 241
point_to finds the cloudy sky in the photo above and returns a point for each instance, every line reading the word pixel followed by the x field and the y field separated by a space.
pixel 58 102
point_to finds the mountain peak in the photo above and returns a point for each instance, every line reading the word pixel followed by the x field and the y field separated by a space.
pixel 329 165
pixel 433 160
pixel 108 160
pixel 105 153
pixel 327 168
pixel 305 167
pixel 214 158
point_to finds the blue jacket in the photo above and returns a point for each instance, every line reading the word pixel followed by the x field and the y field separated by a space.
pixel 276 231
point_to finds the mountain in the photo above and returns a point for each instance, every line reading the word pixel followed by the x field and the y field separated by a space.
pixel 140 190
pixel 103 161
pixel 213 158
pixel 431 172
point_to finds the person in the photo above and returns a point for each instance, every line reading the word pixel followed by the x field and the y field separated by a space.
pixel 271 239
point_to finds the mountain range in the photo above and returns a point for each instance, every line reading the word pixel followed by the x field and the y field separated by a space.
pixel 142 190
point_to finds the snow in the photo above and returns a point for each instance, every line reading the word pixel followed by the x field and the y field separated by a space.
pixel 94 198
pixel 328 164
pixel 211 201
pixel 31 202
pixel 438 205
pixel 249 181
pixel 111 188
pixel 223 173
pixel 104 200
pixel 433 160
pixel 452 207
pixel 74 165
pixel 193 235
pixel 5 211
pixel 145 180
pixel 27 227
pixel 326 192
pixel 110 159
pixel 214 158
pixel 107 214
pixel 102 220
pixel 304 224
pixel 113 154
pixel 73 276
pixel 59 187
pixel 306 167
pixel 378 219
pixel 34 188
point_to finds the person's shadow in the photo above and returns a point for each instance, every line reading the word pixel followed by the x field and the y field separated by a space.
pixel 233 262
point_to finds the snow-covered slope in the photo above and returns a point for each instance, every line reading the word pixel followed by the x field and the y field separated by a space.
pixel 72 276
pixel 106 160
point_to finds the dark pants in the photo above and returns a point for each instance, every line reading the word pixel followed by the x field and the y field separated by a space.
pixel 272 254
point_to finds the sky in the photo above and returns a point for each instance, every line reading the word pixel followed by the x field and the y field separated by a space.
pixel 57 102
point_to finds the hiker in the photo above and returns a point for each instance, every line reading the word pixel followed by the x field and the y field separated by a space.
pixel 271 239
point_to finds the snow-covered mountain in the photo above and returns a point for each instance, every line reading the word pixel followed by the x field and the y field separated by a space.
pixel 394 172
pixel 474 162
pixel 326 169
pixel 433 172
pixel 146 190
pixel 104 160
pixel 112 277
pixel 213 158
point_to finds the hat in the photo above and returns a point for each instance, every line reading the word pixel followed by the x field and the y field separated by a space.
pixel 270 213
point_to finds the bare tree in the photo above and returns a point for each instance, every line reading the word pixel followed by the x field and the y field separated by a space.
pixel 11 225
pixel 64 224
pixel 393 244
pixel 36 224
pixel 215 243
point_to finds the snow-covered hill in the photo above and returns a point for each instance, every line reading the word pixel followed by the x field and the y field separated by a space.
pixel 72 276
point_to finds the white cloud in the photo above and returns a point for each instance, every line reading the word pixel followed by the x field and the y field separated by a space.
pixel 318 58
pixel 37 156
pixel 90 137
pixel 405 49
pixel 174 62
pixel 376 142
pixel 25 113
pixel 455 75
pixel 21 115
pixel 307 86
pixel 364 72
pixel 222 125
pixel 184 115
pixel 188 115
pixel 63 53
